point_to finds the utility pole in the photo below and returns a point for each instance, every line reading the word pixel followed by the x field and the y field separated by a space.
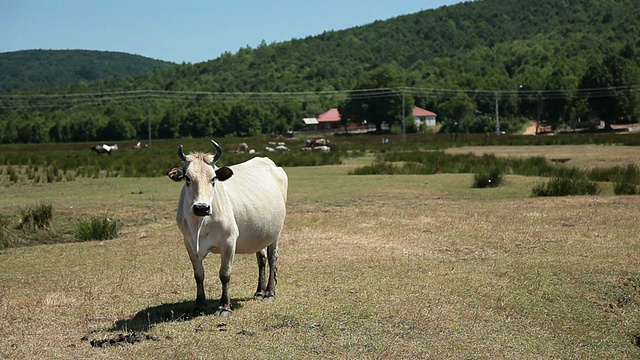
pixel 497 115
pixel 149 114
pixel 404 132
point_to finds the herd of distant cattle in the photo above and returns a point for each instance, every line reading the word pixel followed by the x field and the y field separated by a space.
pixel 321 145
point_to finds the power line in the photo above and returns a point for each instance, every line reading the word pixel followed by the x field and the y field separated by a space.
pixel 49 100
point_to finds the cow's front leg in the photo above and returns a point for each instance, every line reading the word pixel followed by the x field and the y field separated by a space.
pixel 226 263
pixel 261 292
pixel 198 274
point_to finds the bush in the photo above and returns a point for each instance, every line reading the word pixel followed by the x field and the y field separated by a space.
pixel 625 188
pixel 13 174
pixel 488 177
pixel 379 168
pixel 97 228
pixel 561 186
pixel 36 218
pixel 627 181
pixel 6 240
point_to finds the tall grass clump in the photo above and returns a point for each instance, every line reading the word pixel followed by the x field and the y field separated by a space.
pixel 378 168
pixel 6 240
pixel 627 181
pixel 97 228
pixel 488 177
pixel 13 174
pixel 563 186
pixel 36 217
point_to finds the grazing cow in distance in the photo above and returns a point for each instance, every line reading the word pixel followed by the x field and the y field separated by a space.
pixel 98 149
pixel 104 149
pixel 242 147
pixel 322 148
pixel 312 143
pixel 230 210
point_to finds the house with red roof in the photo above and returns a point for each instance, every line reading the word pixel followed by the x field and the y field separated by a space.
pixel 328 120
pixel 424 117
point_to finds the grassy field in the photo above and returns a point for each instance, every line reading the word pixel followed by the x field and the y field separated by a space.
pixel 371 267
pixel 580 156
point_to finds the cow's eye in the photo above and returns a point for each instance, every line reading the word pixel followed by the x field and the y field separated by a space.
pixel 187 179
pixel 213 179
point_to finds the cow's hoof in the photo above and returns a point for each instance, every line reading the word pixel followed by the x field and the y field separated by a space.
pixel 264 297
pixel 222 312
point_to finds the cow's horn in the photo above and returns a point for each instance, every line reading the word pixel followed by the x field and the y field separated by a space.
pixel 216 157
pixel 181 153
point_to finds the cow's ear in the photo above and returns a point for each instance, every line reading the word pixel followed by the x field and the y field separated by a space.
pixel 175 173
pixel 224 173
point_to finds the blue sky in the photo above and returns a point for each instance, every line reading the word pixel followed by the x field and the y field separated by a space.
pixel 184 31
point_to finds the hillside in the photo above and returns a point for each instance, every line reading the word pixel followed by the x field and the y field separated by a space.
pixel 34 69
pixel 540 59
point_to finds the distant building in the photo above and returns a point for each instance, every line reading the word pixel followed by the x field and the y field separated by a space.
pixel 330 119
pixel 424 117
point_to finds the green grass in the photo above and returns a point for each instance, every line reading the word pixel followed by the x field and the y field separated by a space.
pixel 415 266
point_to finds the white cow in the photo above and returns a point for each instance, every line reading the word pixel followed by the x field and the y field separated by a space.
pixel 237 209
pixel 322 148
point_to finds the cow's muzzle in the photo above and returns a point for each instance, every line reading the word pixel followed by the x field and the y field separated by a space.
pixel 201 209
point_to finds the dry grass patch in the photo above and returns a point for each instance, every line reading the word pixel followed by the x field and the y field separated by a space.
pixel 370 267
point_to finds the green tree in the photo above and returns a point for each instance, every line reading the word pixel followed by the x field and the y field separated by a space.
pixel 34 131
pixel 169 126
pixel 117 129
pixel 457 114
pixel 610 89
pixel 243 121
pixel 376 98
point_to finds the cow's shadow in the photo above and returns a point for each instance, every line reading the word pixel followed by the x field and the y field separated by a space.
pixel 145 319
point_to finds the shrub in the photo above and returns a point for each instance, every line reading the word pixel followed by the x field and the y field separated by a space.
pixel 97 228
pixel 625 188
pixel 627 181
pixel 35 218
pixel 488 177
pixel 13 174
pixel 379 168
pixel 6 240
pixel 562 186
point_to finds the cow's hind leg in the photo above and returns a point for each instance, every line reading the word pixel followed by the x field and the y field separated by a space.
pixel 272 256
pixel 261 292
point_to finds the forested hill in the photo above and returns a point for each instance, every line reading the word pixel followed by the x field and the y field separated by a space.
pixel 485 44
pixel 33 69
pixel 539 58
